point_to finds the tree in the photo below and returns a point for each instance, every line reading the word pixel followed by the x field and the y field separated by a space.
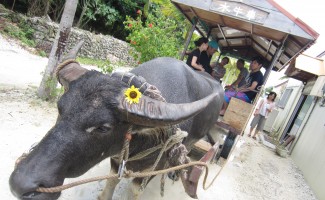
pixel 48 85
pixel 38 7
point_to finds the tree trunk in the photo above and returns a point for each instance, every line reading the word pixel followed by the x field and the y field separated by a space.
pixel 47 89
pixel 47 7
pixel 83 12
pixel 13 5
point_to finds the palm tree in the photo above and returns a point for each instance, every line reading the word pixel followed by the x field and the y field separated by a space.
pixel 48 85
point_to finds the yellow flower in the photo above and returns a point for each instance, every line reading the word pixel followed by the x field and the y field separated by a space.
pixel 132 95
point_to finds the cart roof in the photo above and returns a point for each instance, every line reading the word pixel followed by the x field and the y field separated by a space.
pixel 250 28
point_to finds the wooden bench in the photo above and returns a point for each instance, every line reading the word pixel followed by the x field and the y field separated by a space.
pixel 237 114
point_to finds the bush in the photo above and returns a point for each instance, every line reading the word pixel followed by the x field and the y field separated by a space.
pixel 20 31
pixel 156 37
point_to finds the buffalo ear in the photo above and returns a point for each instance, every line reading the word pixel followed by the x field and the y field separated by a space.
pixel 69 73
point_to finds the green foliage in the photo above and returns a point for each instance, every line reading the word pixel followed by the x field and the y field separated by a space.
pixel 98 8
pixel 105 65
pixel 51 85
pixel 157 36
pixel 20 31
pixel 231 71
pixel 268 90
pixel 106 16
pixel 42 53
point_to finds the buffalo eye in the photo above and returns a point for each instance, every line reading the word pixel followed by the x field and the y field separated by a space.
pixel 99 129
pixel 103 129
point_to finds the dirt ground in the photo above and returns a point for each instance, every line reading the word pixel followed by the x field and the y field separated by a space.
pixel 253 171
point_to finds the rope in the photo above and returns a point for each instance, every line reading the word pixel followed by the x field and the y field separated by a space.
pixel 215 177
pixel 145 153
pixel 172 140
pixel 127 174
pixel 237 139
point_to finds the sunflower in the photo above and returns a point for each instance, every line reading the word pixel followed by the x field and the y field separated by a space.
pixel 132 95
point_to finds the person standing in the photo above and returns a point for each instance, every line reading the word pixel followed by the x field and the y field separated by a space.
pixel 205 58
pixel 263 108
pixel 193 59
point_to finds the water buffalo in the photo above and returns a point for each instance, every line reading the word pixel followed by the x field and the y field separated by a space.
pixel 94 116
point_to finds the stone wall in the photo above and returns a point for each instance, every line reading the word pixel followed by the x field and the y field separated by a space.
pixel 95 46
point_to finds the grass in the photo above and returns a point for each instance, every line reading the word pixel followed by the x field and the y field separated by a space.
pixel 105 65
pixel 20 31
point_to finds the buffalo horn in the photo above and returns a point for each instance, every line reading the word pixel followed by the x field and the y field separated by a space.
pixel 152 113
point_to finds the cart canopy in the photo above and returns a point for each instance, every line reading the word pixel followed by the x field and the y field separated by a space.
pixel 249 28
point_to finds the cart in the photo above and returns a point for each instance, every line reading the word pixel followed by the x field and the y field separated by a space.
pixel 245 29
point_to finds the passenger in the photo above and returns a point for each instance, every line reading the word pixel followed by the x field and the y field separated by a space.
pixel 263 108
pixel 253 83
pixel 241 78
pixel 219 69
pixel 193 59
pixel 205 58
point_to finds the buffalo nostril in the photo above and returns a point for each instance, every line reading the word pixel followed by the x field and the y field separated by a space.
pixel 21 185
pixel 24 187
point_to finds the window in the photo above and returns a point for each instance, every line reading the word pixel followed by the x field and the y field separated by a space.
pixel 284 98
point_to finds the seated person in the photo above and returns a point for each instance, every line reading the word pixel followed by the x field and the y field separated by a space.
pixel 206 56
pixel 219 69
pixel 193 59
pixel 241 78
pixel 253 83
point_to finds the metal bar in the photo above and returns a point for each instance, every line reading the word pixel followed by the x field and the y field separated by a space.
pixel 188 39
pixel 268 49
pixel 223 35
pixel 276 56
pixel 195 14
pixel 209 33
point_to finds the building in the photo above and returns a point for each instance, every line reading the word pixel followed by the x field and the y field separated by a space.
pixel 302 114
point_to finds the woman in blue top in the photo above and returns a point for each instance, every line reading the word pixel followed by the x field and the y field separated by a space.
pixel 193 59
